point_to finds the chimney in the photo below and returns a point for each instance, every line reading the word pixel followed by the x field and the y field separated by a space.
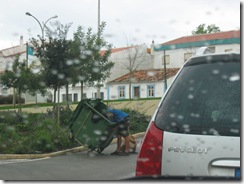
pixel 152 48
pixel 21 41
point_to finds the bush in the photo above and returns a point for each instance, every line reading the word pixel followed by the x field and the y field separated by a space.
pixel 32 133
pixel 8 99
pixel 38 132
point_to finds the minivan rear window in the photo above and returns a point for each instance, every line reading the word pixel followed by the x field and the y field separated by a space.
pixel 204 99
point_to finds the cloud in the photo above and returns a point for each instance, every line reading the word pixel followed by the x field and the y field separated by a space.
pixel 140 20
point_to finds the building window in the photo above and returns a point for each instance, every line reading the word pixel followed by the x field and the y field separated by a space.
pixel 84 95
pixel 167 59
pixel 64 98
pixel 121 90
pixel 151 91
pixel 75 97
pixel 187 56
pixel 102 95
pixel 94 95
pixel 212 48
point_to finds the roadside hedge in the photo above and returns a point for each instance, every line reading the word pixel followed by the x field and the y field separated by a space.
pixel 30 133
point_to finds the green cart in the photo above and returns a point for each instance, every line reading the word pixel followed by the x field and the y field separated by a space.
pixel 90 126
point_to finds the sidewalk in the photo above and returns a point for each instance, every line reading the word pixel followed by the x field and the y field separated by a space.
pixel 144 106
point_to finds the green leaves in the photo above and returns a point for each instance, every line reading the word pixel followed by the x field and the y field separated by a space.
pixel 201 29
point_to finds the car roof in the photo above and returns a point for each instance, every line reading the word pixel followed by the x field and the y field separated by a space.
pixel 213 57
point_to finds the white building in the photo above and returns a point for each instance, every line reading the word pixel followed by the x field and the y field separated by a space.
pixel 125 58
pixel 177 51
pixel 148 83
pixel 8 56
pixel 170 56
pixel 148 80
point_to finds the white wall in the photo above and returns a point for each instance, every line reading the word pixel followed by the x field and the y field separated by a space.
pixel 177 55
pixel 121 60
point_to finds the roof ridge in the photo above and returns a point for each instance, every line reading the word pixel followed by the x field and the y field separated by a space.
pixel 208 36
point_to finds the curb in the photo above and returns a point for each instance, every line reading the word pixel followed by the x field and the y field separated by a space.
pixel 58 153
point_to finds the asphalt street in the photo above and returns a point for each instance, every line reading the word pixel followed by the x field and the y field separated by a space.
pixel 79 166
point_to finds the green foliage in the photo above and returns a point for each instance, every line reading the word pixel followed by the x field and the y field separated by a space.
pixel 9 99
pixel 21 78
pixel 31 133
pixel 89 64
pixel 201 29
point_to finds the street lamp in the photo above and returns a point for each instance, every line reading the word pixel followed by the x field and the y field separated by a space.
pixel 44 24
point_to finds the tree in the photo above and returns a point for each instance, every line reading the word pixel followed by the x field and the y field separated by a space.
pixel 90 65
pixel 22 79
pixel 201 29
pixel 54 54
pixel 134 57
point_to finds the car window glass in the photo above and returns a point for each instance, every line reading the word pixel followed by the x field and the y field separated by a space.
pixel 205 99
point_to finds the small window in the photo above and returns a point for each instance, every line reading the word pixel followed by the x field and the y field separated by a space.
pixel 212 48
pixel 151 91
pixel 75 97
pixel 69 97
pixel 121 90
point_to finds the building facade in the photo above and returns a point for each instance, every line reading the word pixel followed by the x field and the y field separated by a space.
pixel 138 72
pixel 170 56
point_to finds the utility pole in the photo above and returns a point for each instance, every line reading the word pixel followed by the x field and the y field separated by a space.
pixel 165 75
pixel 98 30
pixel 98 17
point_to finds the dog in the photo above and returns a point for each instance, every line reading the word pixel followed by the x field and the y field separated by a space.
pixel 132 144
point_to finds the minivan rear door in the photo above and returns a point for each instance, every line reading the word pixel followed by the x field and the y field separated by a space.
pixel 200 118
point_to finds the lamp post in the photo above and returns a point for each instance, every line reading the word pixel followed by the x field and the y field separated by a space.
pixel 44 24
pixel 42 30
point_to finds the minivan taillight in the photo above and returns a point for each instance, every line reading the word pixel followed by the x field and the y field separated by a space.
pixel 150 154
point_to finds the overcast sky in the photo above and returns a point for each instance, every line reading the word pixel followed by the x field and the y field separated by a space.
pixel 128 21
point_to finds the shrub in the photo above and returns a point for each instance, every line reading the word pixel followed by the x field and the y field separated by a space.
pixel 38 133
pixel 8 99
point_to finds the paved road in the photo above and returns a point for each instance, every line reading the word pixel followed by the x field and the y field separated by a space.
pixel 72 166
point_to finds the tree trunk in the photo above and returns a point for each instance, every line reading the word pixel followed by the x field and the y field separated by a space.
pixel 14 98
pixel 54 95
pixel 19 101
pixel 58 109
pixel 98 89
pixel 81 90
pixel 54 104
pixel 130 90
pixel 130 76
pixel 67 96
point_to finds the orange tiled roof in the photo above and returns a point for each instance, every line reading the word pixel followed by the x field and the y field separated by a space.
pixel 203 37
pixel 102 52
pixel 150 75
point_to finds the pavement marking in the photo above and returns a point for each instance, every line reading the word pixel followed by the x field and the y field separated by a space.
pixel 12 161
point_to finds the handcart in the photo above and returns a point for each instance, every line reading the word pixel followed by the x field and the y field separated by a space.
pixel 90 126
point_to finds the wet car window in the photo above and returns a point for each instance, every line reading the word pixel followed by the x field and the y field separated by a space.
pixel 66 66
pixel 205 100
